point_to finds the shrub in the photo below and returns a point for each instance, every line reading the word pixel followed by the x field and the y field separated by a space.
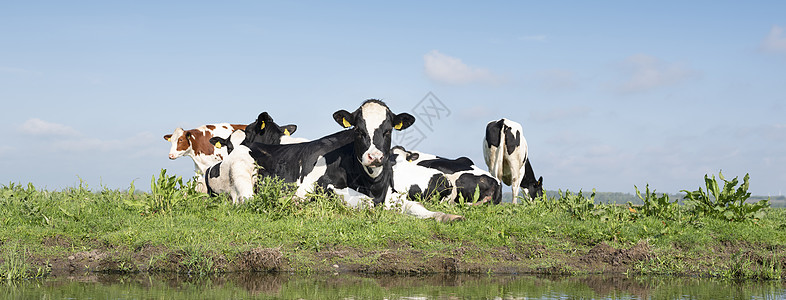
pixel 656 206
pixel 726 203
pixel 166 193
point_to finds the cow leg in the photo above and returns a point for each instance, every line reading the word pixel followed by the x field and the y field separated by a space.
pixel 415 209
pixel 200 184
pixel 353 198
pixel 515 186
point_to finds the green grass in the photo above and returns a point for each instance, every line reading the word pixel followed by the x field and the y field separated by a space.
pixel 546 234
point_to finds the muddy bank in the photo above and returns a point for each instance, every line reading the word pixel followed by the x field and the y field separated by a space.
pixel 397 259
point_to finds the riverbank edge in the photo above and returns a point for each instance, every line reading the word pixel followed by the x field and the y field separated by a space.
pixel 730 260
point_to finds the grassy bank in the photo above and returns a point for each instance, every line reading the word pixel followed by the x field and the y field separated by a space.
pixel 174 229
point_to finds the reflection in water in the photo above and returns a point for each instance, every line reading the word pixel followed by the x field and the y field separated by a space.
pixel 361 286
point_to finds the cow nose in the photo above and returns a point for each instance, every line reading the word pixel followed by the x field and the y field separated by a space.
pixel 171 156
pixel 375 157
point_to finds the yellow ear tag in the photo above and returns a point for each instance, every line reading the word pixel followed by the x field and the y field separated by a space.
pixel 262 126
pixel 346 123
pixel 218 145
pixel 169 139
pixel 399 125
pixel 286 131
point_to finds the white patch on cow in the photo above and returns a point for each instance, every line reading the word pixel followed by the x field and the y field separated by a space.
pixel 353 198
pixel 237 171
pixel 306 185
pixel 374 115
pixel 400 202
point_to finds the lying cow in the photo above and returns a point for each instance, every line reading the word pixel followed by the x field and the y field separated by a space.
pixel 417 181
pixel 195 143
pixel 352 163
pixel 505 152
pixel 236 174
pixel 463 177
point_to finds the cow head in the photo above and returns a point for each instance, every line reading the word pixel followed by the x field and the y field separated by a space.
pixel 265 131
pixel 533 189
pixel 231 142
pixel 401 154
pixel 373 123
pixel 181 144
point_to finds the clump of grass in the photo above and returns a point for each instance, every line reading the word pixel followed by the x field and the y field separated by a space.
pixel 655 205
pixel 167 193
pixel 14 266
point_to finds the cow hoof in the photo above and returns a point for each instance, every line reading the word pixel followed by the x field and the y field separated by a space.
pixel 447 218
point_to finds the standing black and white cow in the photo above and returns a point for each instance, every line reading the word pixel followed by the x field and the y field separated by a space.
pixel 505 152
pixel 353 163
pixel 463 177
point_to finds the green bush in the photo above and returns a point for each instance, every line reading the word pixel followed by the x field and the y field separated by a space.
pixel 655 205
pixel 166 194
pixel 726 203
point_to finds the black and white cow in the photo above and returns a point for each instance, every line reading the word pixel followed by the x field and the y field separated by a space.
pixel 353 163
pixel 464 178
pixel 236 174
pixel 505 152
pixel 417 181
pixel 265 130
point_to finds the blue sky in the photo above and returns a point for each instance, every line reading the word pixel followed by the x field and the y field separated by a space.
pixel 610 94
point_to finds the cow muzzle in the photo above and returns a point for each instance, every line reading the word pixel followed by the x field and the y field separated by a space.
pixel 373 159
pixel 172 156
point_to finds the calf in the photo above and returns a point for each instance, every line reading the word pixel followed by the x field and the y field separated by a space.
pixel 236 174
pixel 464 178
pixel 353 163
pixel 505 152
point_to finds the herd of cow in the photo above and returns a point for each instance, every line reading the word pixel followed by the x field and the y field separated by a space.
pixel 358 163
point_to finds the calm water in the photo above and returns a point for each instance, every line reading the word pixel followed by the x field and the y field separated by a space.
pixel 357 286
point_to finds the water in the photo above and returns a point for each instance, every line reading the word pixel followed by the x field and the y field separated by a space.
pixel 359 286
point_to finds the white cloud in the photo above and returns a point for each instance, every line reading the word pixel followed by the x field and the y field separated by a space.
pixel 775 41
pixel 534 38
pixel 645 72
pixel 40 127
pixel 451 70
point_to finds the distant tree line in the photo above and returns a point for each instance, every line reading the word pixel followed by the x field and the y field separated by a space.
pixel 623 198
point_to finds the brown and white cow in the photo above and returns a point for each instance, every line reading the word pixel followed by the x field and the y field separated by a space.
pixel 505 152
pixel 195 143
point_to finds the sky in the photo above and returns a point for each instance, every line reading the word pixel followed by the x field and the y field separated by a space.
pixel 610 94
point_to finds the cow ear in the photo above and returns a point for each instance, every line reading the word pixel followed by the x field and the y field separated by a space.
pixel 403 121
pixel 412 156
pixel 344 118
pixel 216 141
pixel 540 181
pixel 263 119
pixel 288 129
pixel 168 137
